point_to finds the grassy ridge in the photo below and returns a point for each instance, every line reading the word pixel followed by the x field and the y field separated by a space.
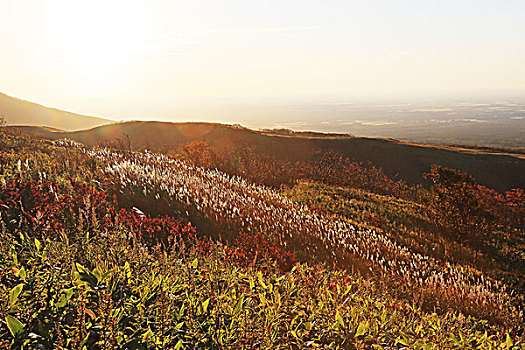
pixel 404 161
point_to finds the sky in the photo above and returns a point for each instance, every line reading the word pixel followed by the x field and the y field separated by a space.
pixel 162 59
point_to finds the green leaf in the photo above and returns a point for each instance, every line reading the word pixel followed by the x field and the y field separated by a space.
pixel 65 297
pixel 105 275
pixel 262 298
pixel 361 329
pixel 127 269
pixel 509 341
pixel 339 320
pixel 178 345
pixel 22 273
pixel 261 281
pixel 148 334
pixel 14 256
pixel 15 293
pixel 205 305
pixel 181 312
pixel 402 341
pixel 86 276
pixel 38 245
pixel 484 337
pixel 238 307
pixel 195 263
pixel 15 326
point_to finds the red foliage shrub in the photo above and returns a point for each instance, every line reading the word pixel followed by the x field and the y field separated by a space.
pixel 165 230
pixel 41 209
pixel 38 207
pixel 251 249
pixel 515 200
pixel 472 211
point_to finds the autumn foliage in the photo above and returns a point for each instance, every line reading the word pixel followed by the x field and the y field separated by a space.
pixel 43 210
pixel 252 249
pixel 328 167
pixel 471 211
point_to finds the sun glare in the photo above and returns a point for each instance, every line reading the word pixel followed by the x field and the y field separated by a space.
pixel 95 40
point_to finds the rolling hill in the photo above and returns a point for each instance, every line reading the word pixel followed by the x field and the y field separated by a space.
pixel 20 112
pixel 406 161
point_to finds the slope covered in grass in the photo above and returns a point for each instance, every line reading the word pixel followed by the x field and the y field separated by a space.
pixel 81 268
pixel 404 161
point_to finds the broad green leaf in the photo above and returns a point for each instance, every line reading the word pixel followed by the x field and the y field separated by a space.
pixel 361 329
pixel 98 274
pixel 15 326
pixel 65 297
pixel 15 293
pixel 86 276
pixel 339 320
pixel 38 245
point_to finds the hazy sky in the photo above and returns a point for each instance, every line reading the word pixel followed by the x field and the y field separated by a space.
pixel 149 58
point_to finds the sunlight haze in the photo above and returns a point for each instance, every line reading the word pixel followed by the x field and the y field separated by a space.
pixel 189 59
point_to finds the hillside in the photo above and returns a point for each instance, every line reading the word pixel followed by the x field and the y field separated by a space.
pixel 104 248
pixel 400 160
pixel 20 112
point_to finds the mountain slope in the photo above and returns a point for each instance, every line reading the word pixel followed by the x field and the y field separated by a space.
pixel 20 112
pixel 406 161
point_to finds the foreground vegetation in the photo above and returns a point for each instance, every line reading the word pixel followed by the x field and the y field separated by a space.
pixel 107 292
pixel 82 268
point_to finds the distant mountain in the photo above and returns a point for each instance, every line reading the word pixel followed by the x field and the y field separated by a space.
pixel 406 161
pixel 20 112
